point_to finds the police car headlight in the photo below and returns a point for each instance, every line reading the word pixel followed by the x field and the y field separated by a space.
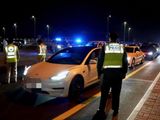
pixel 60 76
pixel 150 53
pixel 26 70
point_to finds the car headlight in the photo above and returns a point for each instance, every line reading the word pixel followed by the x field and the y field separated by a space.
pixel 157 49
pixel 128 58
pixel 59 46
pixel 60 76
pixel 26 70
pixel 150 53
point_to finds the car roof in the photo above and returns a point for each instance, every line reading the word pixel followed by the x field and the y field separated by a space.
pixel 81 47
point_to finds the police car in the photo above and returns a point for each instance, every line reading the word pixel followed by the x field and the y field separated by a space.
pixel 66 73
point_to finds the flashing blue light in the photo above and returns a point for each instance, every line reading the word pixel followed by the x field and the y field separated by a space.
pixel 78 40
pixel 58 39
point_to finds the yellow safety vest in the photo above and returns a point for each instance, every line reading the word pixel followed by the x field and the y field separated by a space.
pixel 42 50
pixel 11 53
pixel 113 55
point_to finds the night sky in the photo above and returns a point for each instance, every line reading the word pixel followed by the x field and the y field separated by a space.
pixel 82 17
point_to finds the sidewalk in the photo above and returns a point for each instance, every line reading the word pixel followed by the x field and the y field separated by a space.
pixel 150 110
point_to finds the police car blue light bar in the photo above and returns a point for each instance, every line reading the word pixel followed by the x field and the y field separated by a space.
pixel 58 39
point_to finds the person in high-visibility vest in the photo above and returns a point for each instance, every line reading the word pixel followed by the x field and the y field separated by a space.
pixel 42 51
pixel 113 64
pixel 11 58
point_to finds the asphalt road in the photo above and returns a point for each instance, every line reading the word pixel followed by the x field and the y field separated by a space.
pixel 19 104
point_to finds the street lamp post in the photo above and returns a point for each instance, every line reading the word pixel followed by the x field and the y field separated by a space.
pixel 15 29
pixel 108 25
pixel 34 27
pixel 129 29
pixel 125 23
pixel 4 32
pixel 48 28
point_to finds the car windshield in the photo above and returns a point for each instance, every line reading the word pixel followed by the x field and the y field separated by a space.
pixel 74 55
pixel 129 49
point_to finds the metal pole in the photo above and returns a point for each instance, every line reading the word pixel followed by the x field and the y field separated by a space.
pixel 4 31
pixel 34 27
pixel 48 27
pixel 15 28
pixel 124 31
pixel 129 29
pixel 108 25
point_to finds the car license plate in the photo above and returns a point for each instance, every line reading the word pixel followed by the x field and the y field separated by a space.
pixel 33 85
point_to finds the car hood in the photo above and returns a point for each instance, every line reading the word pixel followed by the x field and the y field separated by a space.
pixel 45 70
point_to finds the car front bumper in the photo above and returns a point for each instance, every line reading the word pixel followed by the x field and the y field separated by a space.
pixel 53 88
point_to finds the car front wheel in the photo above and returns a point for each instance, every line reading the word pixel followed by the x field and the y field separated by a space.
pixel 142 61
pixel 133 63
pixel 76 88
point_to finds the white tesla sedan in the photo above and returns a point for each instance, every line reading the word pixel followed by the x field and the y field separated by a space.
pixel 66 73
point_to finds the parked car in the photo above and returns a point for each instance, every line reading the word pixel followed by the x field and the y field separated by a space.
pixel 134 55
pixel 157 46
pixel 18 43
pixel 150 52
pixel 66 73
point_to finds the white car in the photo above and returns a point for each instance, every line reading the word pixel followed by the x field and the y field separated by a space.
pixel 66 73
pixel 134 55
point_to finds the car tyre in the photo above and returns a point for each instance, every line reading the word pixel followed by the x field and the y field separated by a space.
pixel 142 61
pixel 76 88
pixel 133 63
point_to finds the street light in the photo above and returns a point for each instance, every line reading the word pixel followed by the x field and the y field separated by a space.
pixel 129 29
pixel 108 25
pixel 48 27
pixel 15 28
pixel 34 27
pixel 4 31
pixel 125 23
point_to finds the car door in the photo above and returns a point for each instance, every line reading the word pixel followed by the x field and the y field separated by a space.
pixel 139 55
pixel 91 67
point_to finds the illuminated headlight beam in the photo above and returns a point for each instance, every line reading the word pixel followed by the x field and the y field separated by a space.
pixel 26 70
pixel 150 53
pixel 60 76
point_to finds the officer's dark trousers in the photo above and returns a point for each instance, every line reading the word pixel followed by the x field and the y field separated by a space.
pixel 111 79
pixel 11 72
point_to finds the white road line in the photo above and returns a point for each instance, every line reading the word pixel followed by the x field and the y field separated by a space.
pixel 134 113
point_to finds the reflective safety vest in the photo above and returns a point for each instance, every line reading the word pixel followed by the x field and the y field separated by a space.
pixel 42 50
pixel 11 53
pixel 113 55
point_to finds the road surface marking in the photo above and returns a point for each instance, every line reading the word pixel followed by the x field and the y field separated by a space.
pixel 134 72
pixel 76 108
pixel 144 80
pixel 85 103
pixel 143 99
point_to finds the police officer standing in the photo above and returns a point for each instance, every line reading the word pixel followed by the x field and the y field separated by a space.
pixel 112 63
pixel 11 58
pixel 42 50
